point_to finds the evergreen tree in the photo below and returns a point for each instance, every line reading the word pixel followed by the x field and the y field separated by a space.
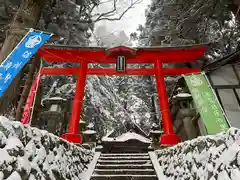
pixel 181 22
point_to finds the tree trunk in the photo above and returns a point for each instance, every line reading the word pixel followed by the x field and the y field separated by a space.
pixel 26 17
pixel 27 87
pixel 235 7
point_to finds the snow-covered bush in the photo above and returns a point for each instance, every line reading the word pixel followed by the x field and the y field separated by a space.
pixel 29 153
pixel 215 157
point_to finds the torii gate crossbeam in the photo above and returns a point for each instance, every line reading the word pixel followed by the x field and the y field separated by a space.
pixel 152 55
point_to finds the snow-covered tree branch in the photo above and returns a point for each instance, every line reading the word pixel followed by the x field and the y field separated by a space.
pixel 111 14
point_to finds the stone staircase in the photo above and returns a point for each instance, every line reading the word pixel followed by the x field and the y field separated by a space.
pixel 124 166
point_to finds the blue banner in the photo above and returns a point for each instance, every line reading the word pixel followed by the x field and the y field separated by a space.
pixel 20 55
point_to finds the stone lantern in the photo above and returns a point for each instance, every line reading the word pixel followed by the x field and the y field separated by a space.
pixel 89 135
pixel 54 115
pixel 155 133
pixel 183 98
pixel 186 113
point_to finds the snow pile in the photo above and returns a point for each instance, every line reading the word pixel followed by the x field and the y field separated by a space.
pixel 127 136
pixel 29 153
pixel 215 157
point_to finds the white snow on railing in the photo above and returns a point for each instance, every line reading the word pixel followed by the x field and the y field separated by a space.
pixel 214 157
pixel 30 153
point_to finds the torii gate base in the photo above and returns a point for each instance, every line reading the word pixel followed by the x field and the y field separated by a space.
pixel 152 55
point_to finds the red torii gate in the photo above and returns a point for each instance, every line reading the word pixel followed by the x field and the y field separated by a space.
pixel 146 55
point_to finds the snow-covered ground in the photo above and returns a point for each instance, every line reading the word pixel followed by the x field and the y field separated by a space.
pixel 29 153
pixel 215 157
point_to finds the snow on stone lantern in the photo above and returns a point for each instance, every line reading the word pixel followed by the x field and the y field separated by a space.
pixel 155 132
pixel 54 115
pixel 183 98
pixel 89 135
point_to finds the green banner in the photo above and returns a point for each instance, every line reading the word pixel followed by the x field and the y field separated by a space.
pixel 206 103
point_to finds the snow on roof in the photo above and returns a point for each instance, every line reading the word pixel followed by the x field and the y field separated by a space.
pixel 52 98
pixel 184 95
pixel 57 98
pixel 127 136
pixel 89 132
pixel 156 131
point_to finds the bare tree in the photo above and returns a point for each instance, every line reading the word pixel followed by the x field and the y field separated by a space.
pixel 111 14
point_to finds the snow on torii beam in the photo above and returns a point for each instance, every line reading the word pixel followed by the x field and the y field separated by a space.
pixel 146 55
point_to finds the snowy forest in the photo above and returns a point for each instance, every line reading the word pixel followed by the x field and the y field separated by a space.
pixel 113 102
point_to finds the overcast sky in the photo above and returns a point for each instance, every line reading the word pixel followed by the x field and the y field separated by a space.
pixel 130 21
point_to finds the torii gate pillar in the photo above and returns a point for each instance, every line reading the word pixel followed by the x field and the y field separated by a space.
pixel 169 137
pixel 73 130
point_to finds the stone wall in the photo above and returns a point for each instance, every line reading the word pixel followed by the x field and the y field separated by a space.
pixel 207 157
pixel 29 153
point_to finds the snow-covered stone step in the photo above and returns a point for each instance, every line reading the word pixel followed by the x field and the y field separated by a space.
pixel 125 171
pixel 124 157
pixel 124 166
pixel 123 161
pixel 124 154
pixel 124 177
